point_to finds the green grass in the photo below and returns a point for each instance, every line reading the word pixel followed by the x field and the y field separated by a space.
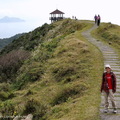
pixel 61 81
pixel 110 34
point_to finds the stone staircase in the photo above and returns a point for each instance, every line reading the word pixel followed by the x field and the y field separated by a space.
pixel 110 57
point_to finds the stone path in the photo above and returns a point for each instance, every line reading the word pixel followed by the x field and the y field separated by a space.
pixel 110 57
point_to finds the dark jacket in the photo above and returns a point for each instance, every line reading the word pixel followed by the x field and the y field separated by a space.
pixel 104 85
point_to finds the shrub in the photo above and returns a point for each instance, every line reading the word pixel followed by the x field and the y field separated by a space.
pixel 4 87
pixel 10 63
pixel 7 109
pixel 6 95
pixel 34 107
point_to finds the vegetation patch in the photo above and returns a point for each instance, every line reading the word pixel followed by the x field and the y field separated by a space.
pixel 7 107
pixel 109 33
pixel 69 92
pixel 60 80
pixel 10 64
pixel 34 107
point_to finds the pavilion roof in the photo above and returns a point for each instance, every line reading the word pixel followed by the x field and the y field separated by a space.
pixel 57 12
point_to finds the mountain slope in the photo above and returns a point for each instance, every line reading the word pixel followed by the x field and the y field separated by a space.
pixel 58 81
pixel 29 40
pixel 5 41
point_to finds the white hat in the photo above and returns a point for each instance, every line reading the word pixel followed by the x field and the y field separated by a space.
pixel 107 66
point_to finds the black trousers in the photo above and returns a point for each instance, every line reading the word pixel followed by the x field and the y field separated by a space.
pixel 98 22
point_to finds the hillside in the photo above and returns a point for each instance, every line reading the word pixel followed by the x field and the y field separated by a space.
pixel 109 33
pixel 51 73
pixel 5 41
pixel 29 40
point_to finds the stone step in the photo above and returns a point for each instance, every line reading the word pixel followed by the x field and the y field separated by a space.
pixel 111 61
pixel 115 66
pixel 118 76
pixel 117 73
pixel 115 69
pixel 118 82
pixel 117 97
pixel 117 63
pixel 110 52
pixel 117 94
pixel 108 55
pixel 111 57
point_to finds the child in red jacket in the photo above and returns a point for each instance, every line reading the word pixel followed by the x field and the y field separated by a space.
pixel 108 87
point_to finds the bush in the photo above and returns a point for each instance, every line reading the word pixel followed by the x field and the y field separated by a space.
pixel 4 87
pixel 10 63
pixel 6 95
pixel 34 107
pixel 7 109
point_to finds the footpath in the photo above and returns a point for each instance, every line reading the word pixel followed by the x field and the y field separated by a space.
pixel 110 57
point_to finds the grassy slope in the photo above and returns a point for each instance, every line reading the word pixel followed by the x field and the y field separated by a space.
pixel 109 33
pixel 68 89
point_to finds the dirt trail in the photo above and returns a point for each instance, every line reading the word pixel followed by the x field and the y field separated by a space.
pixel 110 57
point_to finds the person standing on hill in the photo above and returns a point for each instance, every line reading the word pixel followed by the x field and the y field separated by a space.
pixel 98 20
pixel 95 17
pixel 108 88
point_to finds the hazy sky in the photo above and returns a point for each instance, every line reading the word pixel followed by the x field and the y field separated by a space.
pixel 38 10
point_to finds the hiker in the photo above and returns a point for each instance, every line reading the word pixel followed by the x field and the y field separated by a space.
pixel 75 18
pixel 98 20
pixel 108 88
pixel 95 17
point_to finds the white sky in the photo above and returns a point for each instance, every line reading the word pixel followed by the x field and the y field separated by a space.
pixel 38 10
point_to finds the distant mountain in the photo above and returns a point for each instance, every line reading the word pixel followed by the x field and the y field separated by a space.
pixel 7 19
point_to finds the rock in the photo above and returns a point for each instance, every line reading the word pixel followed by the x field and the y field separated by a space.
pixel 110 43
pixel 16 118
pixel 29 117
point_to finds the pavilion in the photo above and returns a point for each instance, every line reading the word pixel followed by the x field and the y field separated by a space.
pixel 56 15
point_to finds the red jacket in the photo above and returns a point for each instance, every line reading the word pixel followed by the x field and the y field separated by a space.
pixel 104 85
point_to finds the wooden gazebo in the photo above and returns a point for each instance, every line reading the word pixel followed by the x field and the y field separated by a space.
pixel 56 15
